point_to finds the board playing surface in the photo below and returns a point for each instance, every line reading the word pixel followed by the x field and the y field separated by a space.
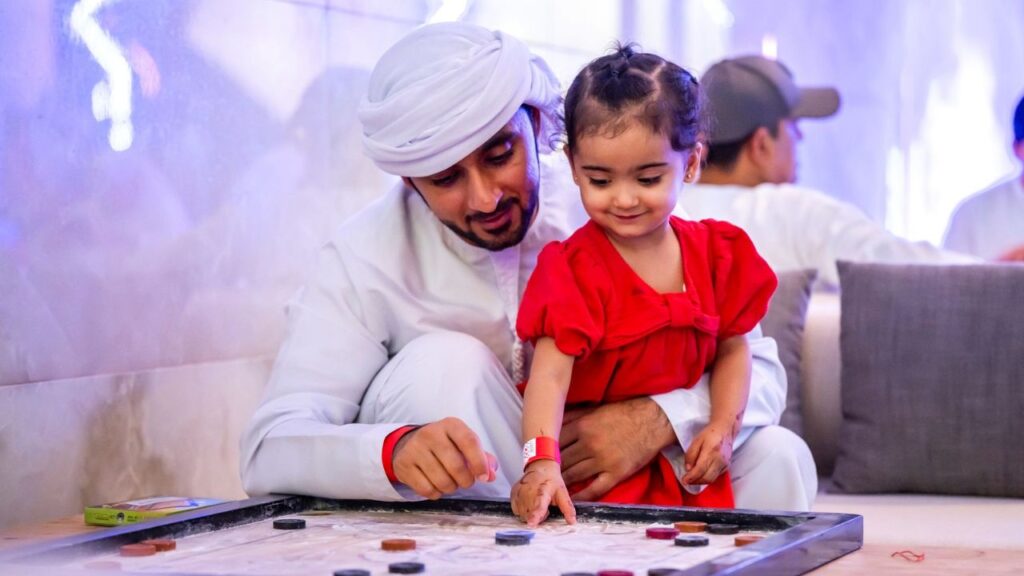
pixel 445 544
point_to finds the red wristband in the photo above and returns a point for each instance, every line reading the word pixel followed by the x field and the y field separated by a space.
pixel 388 451
pixel 541 448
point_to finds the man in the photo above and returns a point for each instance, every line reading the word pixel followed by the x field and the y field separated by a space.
pixel 990 224
pixel 396 379
pixel 751 165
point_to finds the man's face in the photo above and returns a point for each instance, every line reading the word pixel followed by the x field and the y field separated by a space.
pixel 490 197
pixel 782 167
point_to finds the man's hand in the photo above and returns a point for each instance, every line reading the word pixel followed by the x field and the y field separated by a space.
pixel 441 457
pixel 611 442
pixel 541 486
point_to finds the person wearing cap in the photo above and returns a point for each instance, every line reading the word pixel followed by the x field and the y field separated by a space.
pixel 750 170
pixel 990 224
pixel 396 377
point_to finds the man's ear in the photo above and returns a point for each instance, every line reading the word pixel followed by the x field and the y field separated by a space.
pixel 534 119
pixel 760 147
pixel 408 182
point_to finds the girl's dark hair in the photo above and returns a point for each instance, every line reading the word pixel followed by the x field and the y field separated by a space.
pixel 631 85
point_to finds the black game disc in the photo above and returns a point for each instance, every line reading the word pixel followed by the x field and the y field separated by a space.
pixel 723 528
pixel 691 540
pixel 290 524
pixel 406 568
pixel 511 540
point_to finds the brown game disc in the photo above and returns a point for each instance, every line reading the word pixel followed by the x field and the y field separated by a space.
pixel 744 539
pixel 691 527
pixel 161 544
pixel 138 550
pixel 398 544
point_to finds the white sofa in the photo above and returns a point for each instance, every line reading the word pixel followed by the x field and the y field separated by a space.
pixel 899 520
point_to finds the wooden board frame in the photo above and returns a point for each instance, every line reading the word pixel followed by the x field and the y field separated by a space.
pixel 803 542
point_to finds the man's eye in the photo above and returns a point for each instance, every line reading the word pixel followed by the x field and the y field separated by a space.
pixel 444 180
pixel 500 158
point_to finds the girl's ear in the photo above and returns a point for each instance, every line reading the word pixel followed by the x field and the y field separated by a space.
pixel 693 163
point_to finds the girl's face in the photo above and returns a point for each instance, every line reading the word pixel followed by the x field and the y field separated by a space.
pixel 630 182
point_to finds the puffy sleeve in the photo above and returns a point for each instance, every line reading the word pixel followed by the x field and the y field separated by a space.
pixel 743 281
pixel 563 300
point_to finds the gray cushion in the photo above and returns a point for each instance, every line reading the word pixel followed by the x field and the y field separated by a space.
pixel 785 323
pixel 932 379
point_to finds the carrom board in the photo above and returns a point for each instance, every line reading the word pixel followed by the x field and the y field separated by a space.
pixel 452 537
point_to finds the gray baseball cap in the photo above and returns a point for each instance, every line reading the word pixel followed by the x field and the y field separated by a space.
pixel 748 92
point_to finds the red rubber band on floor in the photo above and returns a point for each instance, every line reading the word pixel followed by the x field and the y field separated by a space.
pixel 908 555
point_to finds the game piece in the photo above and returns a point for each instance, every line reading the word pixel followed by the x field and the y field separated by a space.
pixel 352 572
pixel 528 534
pixel 662 532
pixel 723 528
pixel 690 527
pixel 513 537
pixel 691 540
pixel 161 544
pixel 406 568
pixel 138 550
pixel 614 573
pixel 744 539
pixel 290 524
pixel 664 572
pixel 398 544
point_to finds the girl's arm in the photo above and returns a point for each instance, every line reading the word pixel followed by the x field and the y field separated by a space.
pixel 730 384
pixel 543 405
pixel 709 454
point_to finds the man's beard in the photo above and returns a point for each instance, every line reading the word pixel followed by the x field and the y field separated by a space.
pixel 505 236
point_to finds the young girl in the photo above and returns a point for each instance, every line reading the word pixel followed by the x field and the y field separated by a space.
pixel 637 301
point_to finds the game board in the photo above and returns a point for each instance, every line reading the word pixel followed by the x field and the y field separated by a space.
pixel 452 537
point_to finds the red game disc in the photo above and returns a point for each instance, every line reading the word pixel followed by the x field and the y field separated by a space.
pixel 138 550
pixel 161 544
pixel 662 533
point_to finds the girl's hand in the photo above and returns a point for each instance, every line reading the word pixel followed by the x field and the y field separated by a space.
pixel 708 455
pixel 540 486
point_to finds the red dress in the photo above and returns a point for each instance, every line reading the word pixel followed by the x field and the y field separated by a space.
pixel 630 341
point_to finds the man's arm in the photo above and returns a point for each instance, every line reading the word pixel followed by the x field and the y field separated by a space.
pixel 303 439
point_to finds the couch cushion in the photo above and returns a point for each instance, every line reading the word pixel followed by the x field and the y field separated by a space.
pixel 932 379
pixel 785 323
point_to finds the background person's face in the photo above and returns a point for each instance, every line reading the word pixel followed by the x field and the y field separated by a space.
pixel 782 168
pixel 489 197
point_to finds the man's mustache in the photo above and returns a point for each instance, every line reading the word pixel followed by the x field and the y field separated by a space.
pixel 501 207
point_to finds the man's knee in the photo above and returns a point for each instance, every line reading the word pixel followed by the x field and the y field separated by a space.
pixel 774 469
pixel 781 446
pixel 439 374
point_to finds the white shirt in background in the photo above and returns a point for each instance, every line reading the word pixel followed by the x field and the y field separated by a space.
pixel 989 223
pixel 798 228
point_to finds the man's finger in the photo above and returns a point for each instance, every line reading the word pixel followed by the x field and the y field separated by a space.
pixel 574 454
pixel 432 468
pixel 467 442
pixel 575 414
pixel 564 504
pixel 415 478
pixel 569 435
pixel 580 471
pixel 599 487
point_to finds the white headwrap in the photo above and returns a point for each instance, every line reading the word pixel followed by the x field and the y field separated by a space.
pixel 443 90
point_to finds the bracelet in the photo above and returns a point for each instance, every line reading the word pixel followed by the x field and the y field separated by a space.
pixel 541 448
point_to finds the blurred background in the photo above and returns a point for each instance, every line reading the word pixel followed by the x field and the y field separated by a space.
pixel 168 167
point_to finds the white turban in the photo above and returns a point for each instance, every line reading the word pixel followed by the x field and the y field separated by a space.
pixel 444 90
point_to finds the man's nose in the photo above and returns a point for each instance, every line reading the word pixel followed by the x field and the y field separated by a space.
pixel 484 193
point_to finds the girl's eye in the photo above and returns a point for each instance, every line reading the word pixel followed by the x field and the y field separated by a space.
pixel 650 181
pixel 598 181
